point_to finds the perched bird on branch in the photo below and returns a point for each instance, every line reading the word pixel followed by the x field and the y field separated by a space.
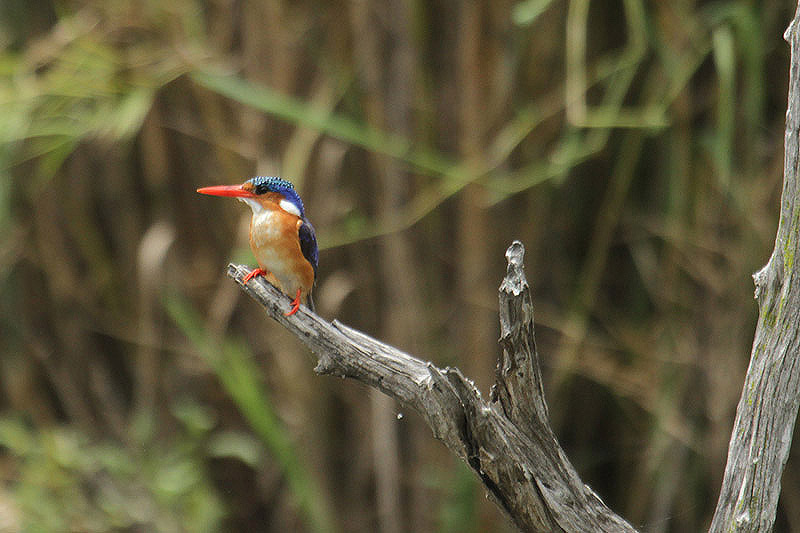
pixel 281 237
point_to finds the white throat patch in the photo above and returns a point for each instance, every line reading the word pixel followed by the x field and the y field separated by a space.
pixel 254 205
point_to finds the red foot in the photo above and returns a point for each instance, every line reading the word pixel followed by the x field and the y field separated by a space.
pixel 253 273
pixel 295 305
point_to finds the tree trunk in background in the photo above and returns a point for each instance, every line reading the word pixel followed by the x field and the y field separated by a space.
pixel 395 81
pixel 476 330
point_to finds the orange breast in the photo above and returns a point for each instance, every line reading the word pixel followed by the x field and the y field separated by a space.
pixel 276 245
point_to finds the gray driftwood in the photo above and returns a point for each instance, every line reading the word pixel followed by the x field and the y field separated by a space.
pixel 507 440
pixel 765 417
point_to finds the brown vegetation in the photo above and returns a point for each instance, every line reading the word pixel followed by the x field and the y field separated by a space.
pixel 635 148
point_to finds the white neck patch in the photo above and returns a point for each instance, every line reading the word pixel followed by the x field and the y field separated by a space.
pixel 289 207
pixel 284 204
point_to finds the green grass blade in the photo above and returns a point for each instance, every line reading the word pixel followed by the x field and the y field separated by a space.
pixel 343 128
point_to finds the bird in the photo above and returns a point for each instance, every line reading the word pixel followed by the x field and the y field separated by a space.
pixel 281 237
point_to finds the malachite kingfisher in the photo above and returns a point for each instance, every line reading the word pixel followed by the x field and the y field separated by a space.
pixel 281 237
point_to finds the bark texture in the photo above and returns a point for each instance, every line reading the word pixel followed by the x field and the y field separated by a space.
pixel 765 417
pixel 507 440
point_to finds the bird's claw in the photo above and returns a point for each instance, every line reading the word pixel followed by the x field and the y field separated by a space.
pixel 295 305
pixel 261 272
pixel 253 273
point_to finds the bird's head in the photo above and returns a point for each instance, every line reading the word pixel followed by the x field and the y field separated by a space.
pixel 262 192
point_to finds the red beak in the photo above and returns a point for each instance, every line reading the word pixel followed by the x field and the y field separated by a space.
pixel 235 191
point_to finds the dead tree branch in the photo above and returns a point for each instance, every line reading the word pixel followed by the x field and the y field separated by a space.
pixel 507 441
pixel 765 417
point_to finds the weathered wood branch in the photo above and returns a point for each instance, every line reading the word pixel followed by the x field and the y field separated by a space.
pixel 765 417
pixel 507 441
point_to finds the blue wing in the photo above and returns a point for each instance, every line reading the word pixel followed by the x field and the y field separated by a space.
pixel 308 244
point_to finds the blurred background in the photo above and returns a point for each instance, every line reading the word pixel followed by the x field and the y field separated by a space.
pixel 634 147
